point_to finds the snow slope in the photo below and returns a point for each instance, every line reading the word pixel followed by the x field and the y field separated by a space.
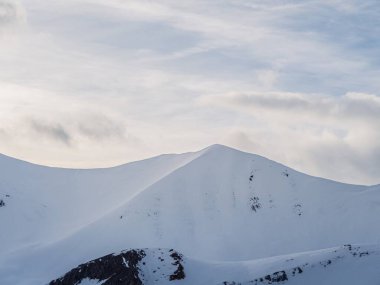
pixel 44 204
pixel 215 204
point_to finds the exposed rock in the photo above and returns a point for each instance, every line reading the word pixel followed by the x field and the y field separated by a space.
pixel 112 269
pixel 255 203
pixel 126 268
pixel 297 209
pixel 180 271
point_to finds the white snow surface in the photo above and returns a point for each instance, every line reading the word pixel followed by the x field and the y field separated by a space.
pixel 90 282
pixel 219 206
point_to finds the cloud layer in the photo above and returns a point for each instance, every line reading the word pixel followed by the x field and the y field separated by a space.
pixel 12 15
pixel 91 83
pixel 324 134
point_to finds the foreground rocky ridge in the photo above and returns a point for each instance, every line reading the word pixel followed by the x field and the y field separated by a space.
pixel 130 267
pixel 164 266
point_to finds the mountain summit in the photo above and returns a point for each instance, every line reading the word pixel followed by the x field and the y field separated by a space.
pixel 218 204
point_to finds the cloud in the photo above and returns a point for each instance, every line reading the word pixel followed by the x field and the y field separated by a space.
pixel 78 128
pixel 96 83
pixel 81 131
pixel 100 127
pixel 11 13
pixel 311 44
pixel 351 106
pixel 70 130
pixel 55 132
pixel 334 137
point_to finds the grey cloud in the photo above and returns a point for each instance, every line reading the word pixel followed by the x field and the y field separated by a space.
pixel 350 106
pixel 360 105
pixel 332 137
pixel 11 12
pixel 348 163
pixel 101 128
pixel 8 12
pixel 76 128
pixel 271 100
pixel 53 131
pixel 328 158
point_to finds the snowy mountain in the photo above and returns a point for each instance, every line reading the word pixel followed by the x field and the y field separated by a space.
pixel 235 217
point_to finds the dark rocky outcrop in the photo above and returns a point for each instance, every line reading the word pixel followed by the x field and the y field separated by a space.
pixel 112 269
pixel 128 268
pixel 281 277
pixel 255 203
pixel 180 271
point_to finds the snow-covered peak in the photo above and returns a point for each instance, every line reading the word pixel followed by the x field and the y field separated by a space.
pixel 215 204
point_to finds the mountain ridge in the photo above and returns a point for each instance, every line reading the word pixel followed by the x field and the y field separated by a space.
pixel 164 266
pixel 215 204
pixel 213 147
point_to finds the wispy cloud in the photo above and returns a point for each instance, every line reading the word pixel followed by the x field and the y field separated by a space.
pixel 351 106
pixel 55 132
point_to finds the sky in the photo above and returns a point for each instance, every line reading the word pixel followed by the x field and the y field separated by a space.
pixel 97 83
